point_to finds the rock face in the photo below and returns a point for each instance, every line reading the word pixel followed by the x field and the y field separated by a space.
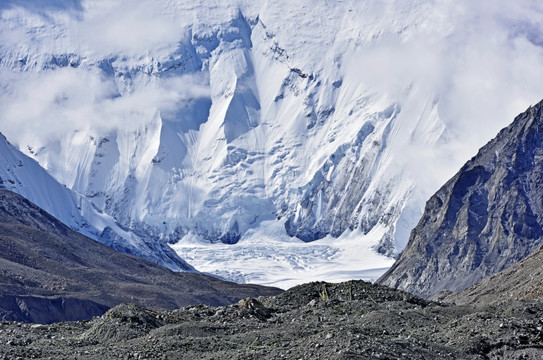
pixel 486 218
pixel 48 273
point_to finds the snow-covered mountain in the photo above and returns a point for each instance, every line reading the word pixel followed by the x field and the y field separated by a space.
pixel 207 124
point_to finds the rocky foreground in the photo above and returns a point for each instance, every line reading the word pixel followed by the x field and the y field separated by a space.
pixel 312 321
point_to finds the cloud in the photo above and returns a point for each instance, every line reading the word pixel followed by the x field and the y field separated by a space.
pixel 93 28
pixel 481 62
pixel 40 106
pixel 46 105
pixel 492 70
pixel 130 27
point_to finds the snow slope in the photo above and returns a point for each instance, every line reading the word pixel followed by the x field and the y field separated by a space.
pixel 206 124
pixel 24 176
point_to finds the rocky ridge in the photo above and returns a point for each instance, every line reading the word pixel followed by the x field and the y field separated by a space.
pixel 485 219
pixel 49 273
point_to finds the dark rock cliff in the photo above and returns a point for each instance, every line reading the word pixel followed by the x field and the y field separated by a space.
pixel 486 218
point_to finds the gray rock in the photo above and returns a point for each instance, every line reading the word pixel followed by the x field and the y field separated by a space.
pixel 366 325
pixel 486 218
pixel 522 281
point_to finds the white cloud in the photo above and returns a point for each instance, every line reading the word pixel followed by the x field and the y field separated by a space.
pixel 483 63
pixel 38 106
pixel 130 27
pixel 49 104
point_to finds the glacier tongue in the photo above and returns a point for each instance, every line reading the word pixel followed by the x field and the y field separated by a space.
pixel 268 256
pixel 207 124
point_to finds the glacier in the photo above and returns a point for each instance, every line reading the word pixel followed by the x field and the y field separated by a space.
pixel 264 141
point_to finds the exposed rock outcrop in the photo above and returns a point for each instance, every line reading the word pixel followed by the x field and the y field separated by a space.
pixel 486 218
pixel 47 310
